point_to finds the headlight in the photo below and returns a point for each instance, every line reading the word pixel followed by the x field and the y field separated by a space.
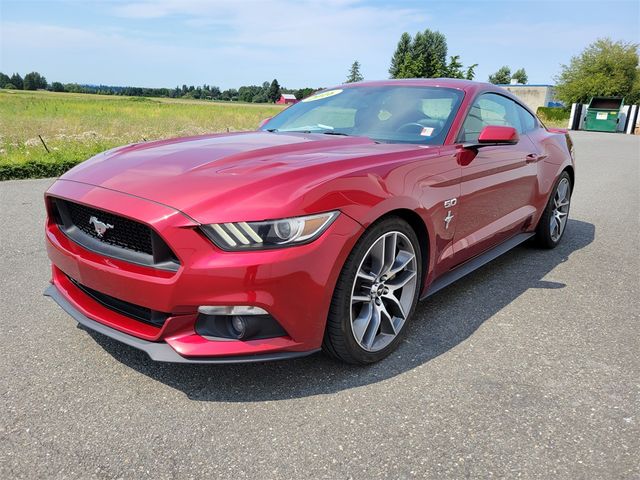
pixel 269 234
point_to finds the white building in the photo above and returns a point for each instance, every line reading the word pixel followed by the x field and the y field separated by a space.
pixel 534 96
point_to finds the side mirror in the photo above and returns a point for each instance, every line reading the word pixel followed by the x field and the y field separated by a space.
pixel 263 122
pixel 493 135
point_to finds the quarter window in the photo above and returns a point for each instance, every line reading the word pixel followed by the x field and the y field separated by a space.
pixel 529 122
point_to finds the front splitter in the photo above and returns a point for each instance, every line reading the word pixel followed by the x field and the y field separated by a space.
pixel 160 351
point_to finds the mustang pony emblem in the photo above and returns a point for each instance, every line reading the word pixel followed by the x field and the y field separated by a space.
pixel 447 220
pixel 100 227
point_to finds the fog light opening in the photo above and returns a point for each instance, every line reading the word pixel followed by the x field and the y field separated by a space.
pixel 236 323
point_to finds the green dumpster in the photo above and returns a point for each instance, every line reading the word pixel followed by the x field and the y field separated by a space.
pixel 603 114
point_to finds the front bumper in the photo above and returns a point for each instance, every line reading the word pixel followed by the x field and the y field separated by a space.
pixel 294 285
pixel 158 351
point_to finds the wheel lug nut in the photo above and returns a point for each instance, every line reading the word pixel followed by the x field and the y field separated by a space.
pixel 378 301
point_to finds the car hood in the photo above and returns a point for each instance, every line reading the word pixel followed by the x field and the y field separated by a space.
pixel 217 178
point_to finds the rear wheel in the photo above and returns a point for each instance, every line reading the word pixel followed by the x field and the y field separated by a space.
pixel 376 294
pixel 553 222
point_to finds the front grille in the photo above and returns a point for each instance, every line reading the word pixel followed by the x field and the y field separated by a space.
pixel 125 233
pixel 112 235
pixel 127 309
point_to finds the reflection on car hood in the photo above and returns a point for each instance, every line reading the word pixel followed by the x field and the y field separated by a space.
pixel 227 171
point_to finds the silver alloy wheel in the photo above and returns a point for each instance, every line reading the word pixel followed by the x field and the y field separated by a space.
pixel 560 212
pixel 383 291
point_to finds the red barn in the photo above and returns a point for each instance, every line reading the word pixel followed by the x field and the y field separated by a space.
pixel 286 99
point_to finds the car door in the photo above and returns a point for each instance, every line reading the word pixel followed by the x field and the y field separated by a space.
pixel 497 184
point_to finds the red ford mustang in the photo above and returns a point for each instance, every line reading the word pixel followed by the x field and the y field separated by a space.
pixel 320 230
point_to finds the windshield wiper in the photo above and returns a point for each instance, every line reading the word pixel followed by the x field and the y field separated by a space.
pixel 310 129
pixel 335 133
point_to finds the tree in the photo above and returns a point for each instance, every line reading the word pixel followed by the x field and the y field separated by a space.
pixel 604 68
pixel 247 93
pixel 229 95
pixel 430 49
pixel 57 87
pixel 304 92
pixel 454 69
pixel 521 76
pixel 214 92
pixel 30 81
pixel 502 76
pixel 260 98
pixel 16 81
pixel 399 56
pixel 4 79
pixel 411 67
pixel 471 72
pixel 34 81
pixel 274 91
pixel 354 73
pixel 633 98
pixel 425 56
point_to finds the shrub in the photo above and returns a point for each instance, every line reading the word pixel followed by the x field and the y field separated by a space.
pixel 554 116
pixel 35 169
pixel 554 113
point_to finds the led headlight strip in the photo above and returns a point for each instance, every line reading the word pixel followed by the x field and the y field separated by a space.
pixel 269 234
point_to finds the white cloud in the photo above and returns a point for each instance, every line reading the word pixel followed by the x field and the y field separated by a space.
pixel 300 42
pixel 228 43
pixel 302 25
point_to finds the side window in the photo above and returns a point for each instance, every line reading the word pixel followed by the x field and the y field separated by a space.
pixel 490 109
pixel 529 122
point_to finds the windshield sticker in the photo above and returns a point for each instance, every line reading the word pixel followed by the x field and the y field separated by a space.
pixel 427 131
pixel 384 115
pixel 322 95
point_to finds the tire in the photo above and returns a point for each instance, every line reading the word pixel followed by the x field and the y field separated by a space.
pixel 556 214
pixel 365 324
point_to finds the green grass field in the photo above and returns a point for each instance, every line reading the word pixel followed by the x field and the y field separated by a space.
pixel 77 126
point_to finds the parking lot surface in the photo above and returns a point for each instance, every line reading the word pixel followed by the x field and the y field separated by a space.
pixel 528 368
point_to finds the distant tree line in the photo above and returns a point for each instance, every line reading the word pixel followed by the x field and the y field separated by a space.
pixel 31 81
pixel 265 93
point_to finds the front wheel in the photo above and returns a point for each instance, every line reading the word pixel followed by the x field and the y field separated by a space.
pixel 553 222
pixel 376 294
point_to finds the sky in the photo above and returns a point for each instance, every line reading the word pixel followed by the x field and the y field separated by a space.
pixel 228 43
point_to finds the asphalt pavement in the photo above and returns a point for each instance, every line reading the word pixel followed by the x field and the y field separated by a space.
pixel 527 368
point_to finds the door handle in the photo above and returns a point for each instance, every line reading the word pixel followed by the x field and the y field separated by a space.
pixel 534 157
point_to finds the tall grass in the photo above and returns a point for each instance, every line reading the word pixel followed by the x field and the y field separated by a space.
pixel 77 126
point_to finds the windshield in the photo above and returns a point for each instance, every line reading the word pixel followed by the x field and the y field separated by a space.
pixel 392 114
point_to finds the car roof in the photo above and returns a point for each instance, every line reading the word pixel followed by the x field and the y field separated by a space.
pixel 455 83
pixel 468 86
